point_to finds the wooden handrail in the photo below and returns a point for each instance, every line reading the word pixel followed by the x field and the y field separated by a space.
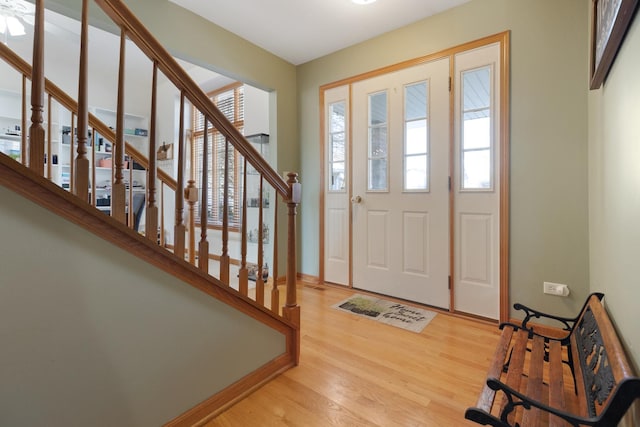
pixel 138 33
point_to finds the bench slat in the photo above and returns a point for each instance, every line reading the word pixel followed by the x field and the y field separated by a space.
pixel 497 362
pixel 556 383
pixel 516 365
pixel 535 382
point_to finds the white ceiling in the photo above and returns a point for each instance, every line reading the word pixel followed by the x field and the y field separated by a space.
pixel 301 30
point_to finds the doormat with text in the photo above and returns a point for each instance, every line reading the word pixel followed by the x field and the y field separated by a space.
pixel 392 313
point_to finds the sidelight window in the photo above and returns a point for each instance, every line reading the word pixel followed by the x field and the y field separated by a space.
pixel 477 144
pixel 337 146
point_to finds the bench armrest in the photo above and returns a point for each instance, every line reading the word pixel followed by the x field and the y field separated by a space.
pixel 515 399
pixel 532 313
pixel 568 322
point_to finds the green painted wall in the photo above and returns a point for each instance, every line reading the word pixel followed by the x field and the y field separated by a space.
pixel 549 72
pixel 614 190
pixel 94 336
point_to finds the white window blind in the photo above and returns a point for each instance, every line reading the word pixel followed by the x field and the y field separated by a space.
pixel 230 101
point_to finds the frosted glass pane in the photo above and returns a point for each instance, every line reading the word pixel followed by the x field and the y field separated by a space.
pixel 337 177
pixel 477 170
pixel 337 115
pixel 415 101
pixel 476 87
pixel 415 174
pixel 378 142
pixel 416 137
pixel 377 109
pixel 378 174
pixel 337 147
pixel 477 134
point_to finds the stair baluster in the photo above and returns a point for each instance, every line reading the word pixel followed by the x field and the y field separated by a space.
pixel 259 276
pixel 224 257
pixel 243 274
pixel 275 292
pixel 36 131
pixel 180 229
pixel 191 194
pixel 118 189
pixel 81 187
pixel 48 154
pixel 203 248
pixel 72 163
pixel 151 224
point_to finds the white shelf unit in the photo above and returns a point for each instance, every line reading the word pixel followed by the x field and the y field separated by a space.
pixel 99 150
pixel 11 129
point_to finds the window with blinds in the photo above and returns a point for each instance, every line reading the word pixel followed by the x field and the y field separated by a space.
pixel 230 101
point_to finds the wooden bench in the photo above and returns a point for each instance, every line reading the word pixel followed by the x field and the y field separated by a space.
pixel 580 379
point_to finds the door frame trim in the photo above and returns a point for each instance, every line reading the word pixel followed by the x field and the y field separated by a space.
pixel 503 39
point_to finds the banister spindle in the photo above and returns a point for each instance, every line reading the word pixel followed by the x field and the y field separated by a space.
pixel 130 213
pixel 161 235
pixel 72 144
pixel 36 131
pixel 48 161
pixel 191 194
pixel 151 220
pixel 259 277
pixel 203 247
pixel 92 184
pixel 81 187
pixel 179 229
pixel 243 274
pixel 275 292
pixel 224 257
pixel 118 189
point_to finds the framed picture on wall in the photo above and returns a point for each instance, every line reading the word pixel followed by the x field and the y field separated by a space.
pixel 610 20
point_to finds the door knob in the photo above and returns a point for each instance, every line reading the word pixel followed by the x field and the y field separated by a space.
pixel 356 199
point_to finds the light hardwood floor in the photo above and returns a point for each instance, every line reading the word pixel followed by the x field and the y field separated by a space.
pixel 358 372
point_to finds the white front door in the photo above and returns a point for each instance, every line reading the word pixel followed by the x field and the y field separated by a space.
pixel 400 184
pixel 414 185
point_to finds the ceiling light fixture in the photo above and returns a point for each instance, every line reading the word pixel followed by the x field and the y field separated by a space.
pixel 363 1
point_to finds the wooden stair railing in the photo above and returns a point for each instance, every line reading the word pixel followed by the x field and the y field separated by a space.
pixel 54 93
pixel 132 29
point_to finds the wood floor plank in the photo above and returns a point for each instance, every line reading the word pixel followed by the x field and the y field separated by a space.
pixel 358 372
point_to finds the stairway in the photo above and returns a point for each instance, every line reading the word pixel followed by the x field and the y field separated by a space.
pixel 103 323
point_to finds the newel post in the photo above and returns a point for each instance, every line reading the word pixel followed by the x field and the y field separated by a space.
pixel 291 310
pixel 36 130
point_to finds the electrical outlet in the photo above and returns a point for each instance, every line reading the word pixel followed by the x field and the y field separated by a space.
pixel 556 289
